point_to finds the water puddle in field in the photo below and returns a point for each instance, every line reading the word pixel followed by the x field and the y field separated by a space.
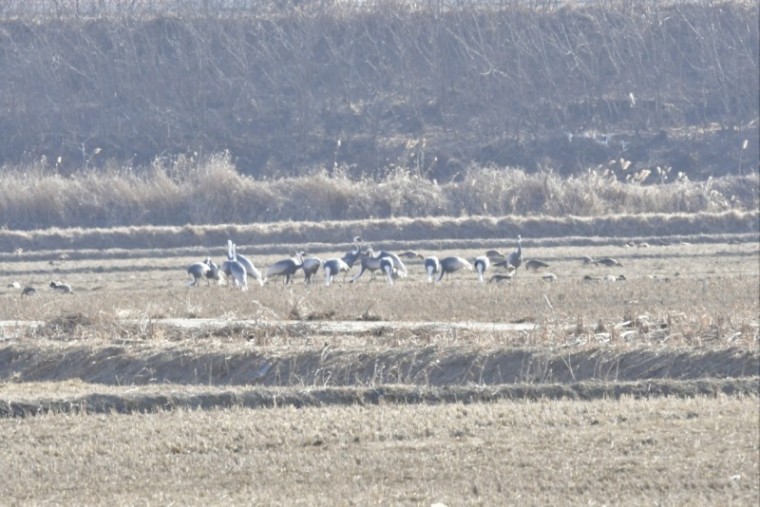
pixel 10 328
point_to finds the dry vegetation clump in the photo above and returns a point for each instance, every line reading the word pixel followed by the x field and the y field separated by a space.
pixel 211 190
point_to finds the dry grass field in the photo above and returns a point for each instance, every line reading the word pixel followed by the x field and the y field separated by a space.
pixel 662 451
pixel 137 388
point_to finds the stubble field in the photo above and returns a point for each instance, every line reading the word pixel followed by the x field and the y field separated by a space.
pixel 140 389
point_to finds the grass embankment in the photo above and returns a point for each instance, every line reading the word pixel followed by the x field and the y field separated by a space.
pixel 212 191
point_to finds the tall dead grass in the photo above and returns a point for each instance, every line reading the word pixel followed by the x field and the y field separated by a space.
pixel 187 190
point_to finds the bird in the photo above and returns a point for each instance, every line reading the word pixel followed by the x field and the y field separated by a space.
pixel 206 269
pixel 549 277
pixel 29 291
pixel 332 267
pixel 608 261
pixel 310 267
pixel 501 277
pixel 587 260
pixel 233 268
pixel 535 265
pixel 63 288
pixel 285 268
pixel 370 261
pixel 398 264
pixel 451 265
pixel 411 254
pixel 494 255
pixel 481 265
pixel 432 266
pixel 387 267
pixel 351 257
pixel 213 271
pixel 515 258
pixel 244 261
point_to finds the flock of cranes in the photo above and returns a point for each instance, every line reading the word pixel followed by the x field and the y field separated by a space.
pixel 238 269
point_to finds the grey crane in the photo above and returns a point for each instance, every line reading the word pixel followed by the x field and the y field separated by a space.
pixel 63 288
pixel 332 267
pixel 481 265
pixel 244 261
pixel 310 267
pixel 452 264
pixel 285 268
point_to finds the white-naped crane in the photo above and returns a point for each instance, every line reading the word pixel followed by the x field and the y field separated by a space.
pixel 432 267
pixel 481 264
pixel 370 261
pixel 233 268
pixel 310 267
pixel 387 267
pixel 199 270
pixel 332 267
pixel 244 261
pixel 451 265
pixel 285 268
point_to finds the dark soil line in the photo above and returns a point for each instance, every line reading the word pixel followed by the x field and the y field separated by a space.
pixel 301 398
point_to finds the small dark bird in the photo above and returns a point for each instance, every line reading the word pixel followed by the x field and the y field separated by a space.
pixel 608 261
pixel 63 288
pixel 534 265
